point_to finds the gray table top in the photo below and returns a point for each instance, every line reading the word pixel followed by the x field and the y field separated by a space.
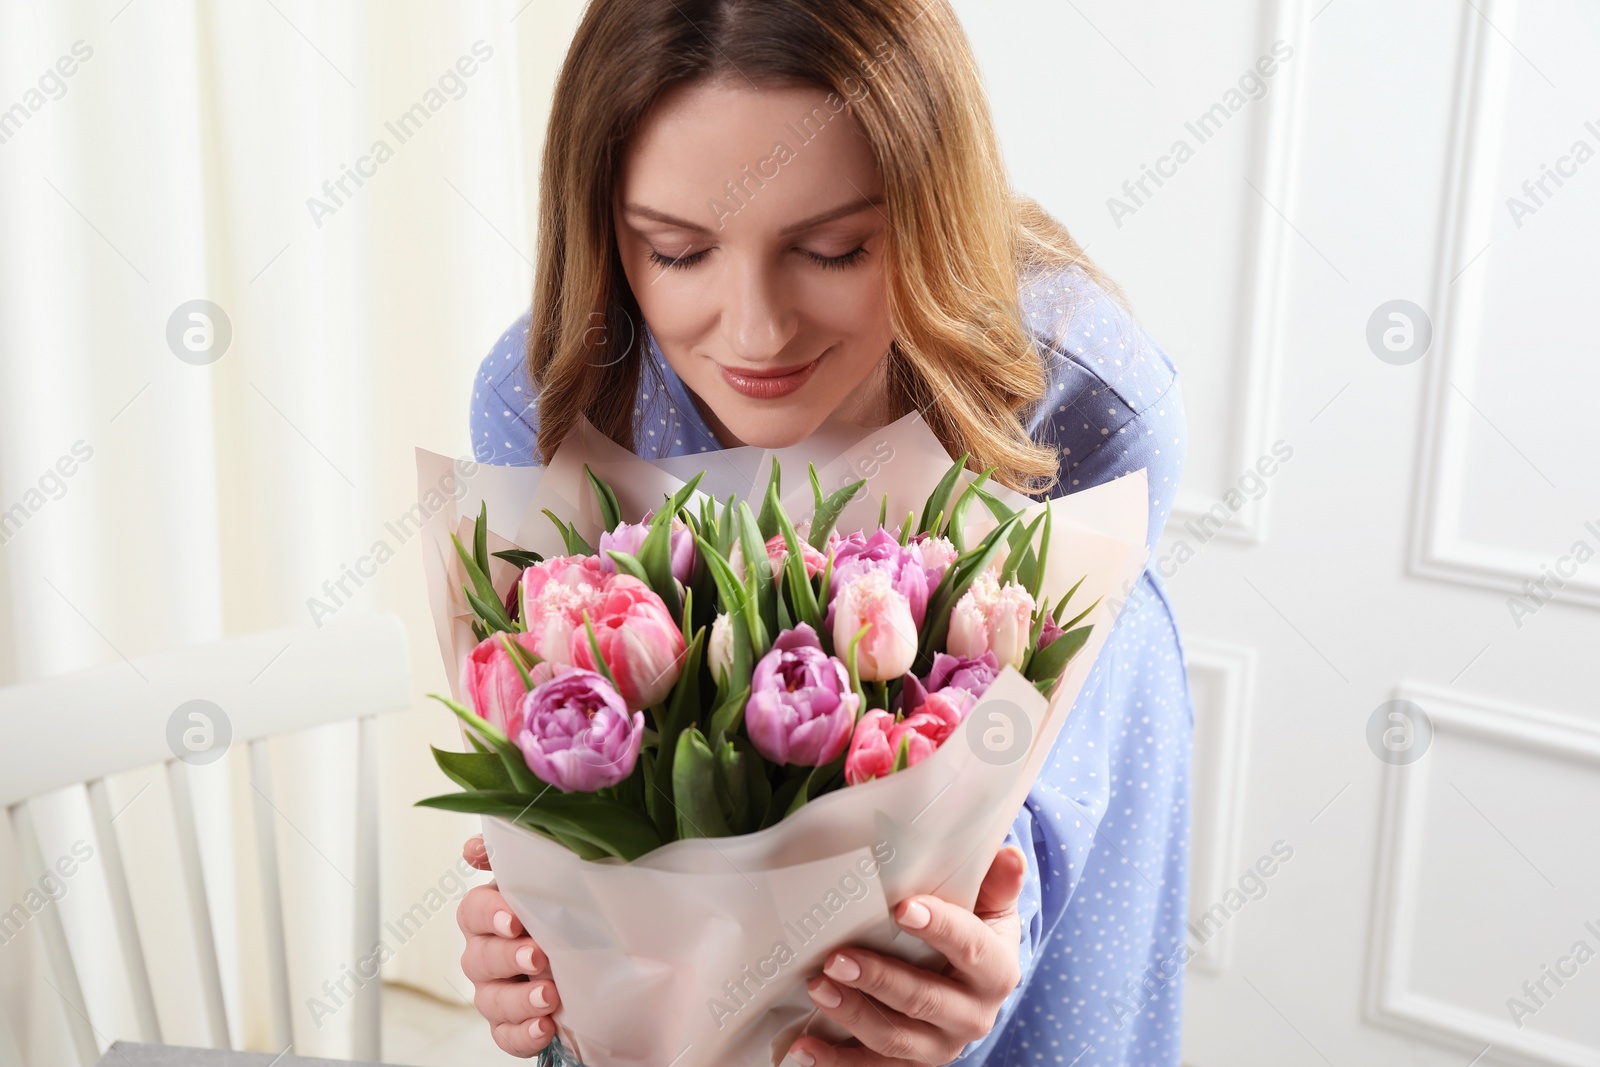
pixel 137 1054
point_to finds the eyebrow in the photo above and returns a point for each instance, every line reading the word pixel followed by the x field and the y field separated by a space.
pixel 842 211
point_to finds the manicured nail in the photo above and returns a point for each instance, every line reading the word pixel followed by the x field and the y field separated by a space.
pixel 538 1027
pixel 525 959
pixel 502 924
pixel 536 996
pixel 916 916
pixel 802 1057
pixel 826 995
pixel 843 968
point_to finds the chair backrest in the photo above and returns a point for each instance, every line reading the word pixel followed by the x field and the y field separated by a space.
pixel 178 707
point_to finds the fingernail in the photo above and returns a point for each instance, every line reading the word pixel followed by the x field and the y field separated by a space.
pixel 802 1057
pixel 915 916
pixel 502 923
pixel 525 959
pixel 826 995
pixel 843 968
pixel 537 1027
pixel 536 996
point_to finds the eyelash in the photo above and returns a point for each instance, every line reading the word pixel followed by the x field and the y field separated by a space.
pixel 844 262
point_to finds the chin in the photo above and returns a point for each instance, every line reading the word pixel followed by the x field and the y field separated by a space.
pixel 766 431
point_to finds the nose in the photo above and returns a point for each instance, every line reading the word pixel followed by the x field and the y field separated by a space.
pixel 759 318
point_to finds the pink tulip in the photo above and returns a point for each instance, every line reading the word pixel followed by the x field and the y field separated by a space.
pixel 992 618
pixel 937 555
pixel 889 646
pixel 492 684
pixel 878 737
pixel 639 640
pixel 777 552
pixel 558 591
pixel 856 554
pixel 577 733
pixel 801 707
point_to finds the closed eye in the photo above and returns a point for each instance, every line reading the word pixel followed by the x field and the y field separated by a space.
pixel 849 259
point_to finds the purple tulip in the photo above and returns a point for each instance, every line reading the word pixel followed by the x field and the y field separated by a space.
pixel 576 732
pixel 856 554
pixel 961 679
pixel 1050 631
pixel 629 537
pixel 972 673
pixel 802 709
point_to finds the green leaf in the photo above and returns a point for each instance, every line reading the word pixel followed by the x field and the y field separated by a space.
pixel 694 788
pixel 733 599
pixel 628 564
pixel 883 511
pixel 1070 623
pixel 801 592
pixel 828 509
pixel 726 716
pixel 575 544
pixel 610 510
pixel 599 660
pixel 655 558
pixel 733 783
pixel 1019 548
pixel 472 770
pixel 758 789
pixel 1033 577
pixel 683 705
pixel 939 500
pixel 518 557
pixel 514 650
pixel 758 582
pixel 1049 661
pixel 480 539
pixel 608 824
pixel 905 528
pixel 482 596
pixel 958 514
pixel 510 755
pixel 767 522
pixel 902 756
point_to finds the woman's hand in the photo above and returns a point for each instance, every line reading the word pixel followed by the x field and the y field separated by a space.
pixel 509 974
pixel 904 1014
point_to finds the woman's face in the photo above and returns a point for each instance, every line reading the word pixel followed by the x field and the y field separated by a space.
pixel 755 252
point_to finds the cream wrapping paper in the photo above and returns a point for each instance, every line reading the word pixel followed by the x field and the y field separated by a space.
pixel 697 953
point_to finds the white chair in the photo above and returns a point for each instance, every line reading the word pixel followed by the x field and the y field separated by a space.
pixel 269 684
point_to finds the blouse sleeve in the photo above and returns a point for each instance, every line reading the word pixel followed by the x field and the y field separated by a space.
pixel 504 414
pixel 1114 407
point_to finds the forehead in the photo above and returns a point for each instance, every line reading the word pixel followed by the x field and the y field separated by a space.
pixel 788 152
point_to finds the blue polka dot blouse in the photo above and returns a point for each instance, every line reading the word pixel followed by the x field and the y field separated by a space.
pixel 1106 825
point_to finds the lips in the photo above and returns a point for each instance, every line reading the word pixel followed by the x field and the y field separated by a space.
pixel 768 385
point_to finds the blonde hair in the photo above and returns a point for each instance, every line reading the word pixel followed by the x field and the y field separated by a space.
pixel 960 245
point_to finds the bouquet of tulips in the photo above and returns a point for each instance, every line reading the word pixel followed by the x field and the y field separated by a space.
pixel 711 742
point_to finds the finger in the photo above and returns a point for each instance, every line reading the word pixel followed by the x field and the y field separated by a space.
pixel 979 957
pixel 516 1002
pixel 523 1039
pixel 490 959
pixel 880 1029
pixel 912 991
pixel 484 911
pixel 475 852
pixel 1003 884
pixel 814 1052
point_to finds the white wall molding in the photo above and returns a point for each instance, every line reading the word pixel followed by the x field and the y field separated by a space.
pixel 1466 227
pixel 1225 735
pixel 1263 280
pixel 1390 1000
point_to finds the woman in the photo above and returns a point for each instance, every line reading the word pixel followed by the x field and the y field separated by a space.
pixel 756 216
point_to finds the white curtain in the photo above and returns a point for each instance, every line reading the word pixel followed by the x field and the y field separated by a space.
pixel 353 185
